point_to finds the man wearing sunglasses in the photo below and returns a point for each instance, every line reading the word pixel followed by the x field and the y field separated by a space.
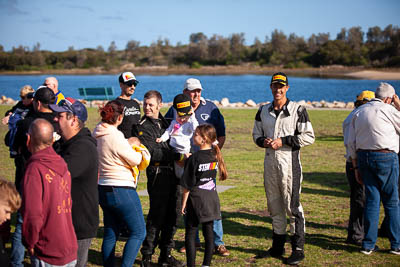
pixel 128 83
pixel 79 150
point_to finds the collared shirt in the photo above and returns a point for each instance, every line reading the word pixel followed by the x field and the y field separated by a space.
pixel 376 126
pixel 59 97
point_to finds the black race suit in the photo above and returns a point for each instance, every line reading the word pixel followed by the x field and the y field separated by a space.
pixel 162 186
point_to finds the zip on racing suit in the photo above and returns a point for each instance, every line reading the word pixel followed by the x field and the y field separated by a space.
pixel 282 167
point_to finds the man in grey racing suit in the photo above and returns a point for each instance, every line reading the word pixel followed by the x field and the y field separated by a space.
pixel 282 128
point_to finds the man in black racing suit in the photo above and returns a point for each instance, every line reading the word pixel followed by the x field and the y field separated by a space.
pixel 162 185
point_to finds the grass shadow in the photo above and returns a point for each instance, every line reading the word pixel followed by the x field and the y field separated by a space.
pixel 235 228
pixel 327 242
pixel 329 138
pixel 336 180
pixel 324 192
pixel 324 226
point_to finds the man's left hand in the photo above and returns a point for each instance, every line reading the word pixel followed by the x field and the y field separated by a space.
pixel 276 144
pixel 358 177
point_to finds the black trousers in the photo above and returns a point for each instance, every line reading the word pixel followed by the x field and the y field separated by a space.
pixel 19 162
pixel 355 229
pixel 191 227
pixel 165 205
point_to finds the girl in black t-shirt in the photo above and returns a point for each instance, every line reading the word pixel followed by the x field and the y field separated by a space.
pixel 200 202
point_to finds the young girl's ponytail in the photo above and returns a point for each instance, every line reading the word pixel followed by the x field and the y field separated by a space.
pixel 223 174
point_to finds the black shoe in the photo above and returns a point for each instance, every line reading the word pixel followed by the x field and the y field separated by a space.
pixel 146 261
pixel 170 261
pixel 369 251
pixel 271 253
pixel 296 257
pixel 277 249
pixel 395 251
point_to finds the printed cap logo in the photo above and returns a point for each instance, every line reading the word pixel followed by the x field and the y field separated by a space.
pixel 128 76
pixel 183 104
pixel 279 77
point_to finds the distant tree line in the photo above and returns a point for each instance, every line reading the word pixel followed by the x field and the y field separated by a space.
pixel 352 47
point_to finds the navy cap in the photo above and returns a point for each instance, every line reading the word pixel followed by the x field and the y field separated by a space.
pixel 71 105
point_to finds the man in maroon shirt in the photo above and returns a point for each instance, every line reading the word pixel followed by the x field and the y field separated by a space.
pixel 47 230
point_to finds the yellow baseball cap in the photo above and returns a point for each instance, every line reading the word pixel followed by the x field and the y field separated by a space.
pixel 366 95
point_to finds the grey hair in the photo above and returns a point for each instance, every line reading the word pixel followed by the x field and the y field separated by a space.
pixel 384 90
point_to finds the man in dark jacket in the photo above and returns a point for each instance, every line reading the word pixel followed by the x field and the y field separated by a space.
pixel 162 185
pixel 41 100
pixel 80 153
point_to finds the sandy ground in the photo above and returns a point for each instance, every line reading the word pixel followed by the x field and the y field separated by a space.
pixel 375 75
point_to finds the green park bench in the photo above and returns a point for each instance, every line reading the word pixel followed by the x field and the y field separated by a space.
pixel 96 93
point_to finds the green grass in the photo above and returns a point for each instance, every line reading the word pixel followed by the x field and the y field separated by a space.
pixel 247 225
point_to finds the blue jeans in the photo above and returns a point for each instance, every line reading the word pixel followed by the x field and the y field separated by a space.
pixel 18 249
pixel 36 262
pixel 380 173
pixel 121 205
pixel 218 233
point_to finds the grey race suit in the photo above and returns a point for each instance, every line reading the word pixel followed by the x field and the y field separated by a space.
pixel 282 167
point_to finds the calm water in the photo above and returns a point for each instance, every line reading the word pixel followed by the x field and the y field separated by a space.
pixel 238 88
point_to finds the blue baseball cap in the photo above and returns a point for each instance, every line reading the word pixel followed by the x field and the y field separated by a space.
pixel 71 105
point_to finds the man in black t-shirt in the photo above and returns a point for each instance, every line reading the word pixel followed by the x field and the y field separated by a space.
pixel 128 83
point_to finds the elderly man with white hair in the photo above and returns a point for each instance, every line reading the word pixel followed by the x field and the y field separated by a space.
pixel 373 147
pixel 52 83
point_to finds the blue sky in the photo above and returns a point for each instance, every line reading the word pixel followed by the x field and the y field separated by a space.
pixel 59 24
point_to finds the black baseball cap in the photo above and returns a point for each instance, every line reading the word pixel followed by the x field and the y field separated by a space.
pixel 280 77
pixel 45 95
pixel 183 105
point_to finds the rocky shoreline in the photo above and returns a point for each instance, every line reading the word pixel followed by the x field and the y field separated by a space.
pixel 224 103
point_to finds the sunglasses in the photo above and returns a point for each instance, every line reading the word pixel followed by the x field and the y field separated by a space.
pixel 133 82
pixel 27 96
pixel 67 105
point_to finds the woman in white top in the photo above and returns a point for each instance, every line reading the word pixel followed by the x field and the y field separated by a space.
pixel 117 187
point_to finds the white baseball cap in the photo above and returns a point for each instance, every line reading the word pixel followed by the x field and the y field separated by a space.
pixel 126 77
pixel 192 84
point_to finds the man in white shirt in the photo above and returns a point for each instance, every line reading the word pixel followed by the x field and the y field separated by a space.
pixel 355 229
pixel 373 147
